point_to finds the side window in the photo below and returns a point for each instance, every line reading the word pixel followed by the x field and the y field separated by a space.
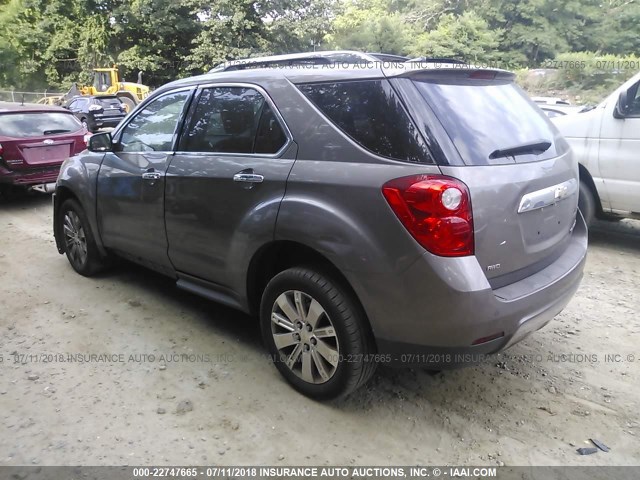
pixel 154 128
pixel 634 100
pixel 233 120
pixel 371 114
pixel 73 104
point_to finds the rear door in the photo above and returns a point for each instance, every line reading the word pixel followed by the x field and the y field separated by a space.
pixel 519 170
pixel 131 181
pixel 111 106
pixel 225 184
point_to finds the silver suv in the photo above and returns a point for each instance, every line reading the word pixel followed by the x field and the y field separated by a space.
pixel 417 213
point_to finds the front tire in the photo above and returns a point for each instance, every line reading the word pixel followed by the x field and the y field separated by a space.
pixel 78 240
pixel 587 203
pixel 316 334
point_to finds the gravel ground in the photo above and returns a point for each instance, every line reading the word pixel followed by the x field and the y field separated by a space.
pixel 223 403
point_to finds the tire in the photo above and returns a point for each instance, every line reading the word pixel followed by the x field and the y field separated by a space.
pixel 86 125
pixel 322 367
pixel 587 203
pixel 128 101
pixel 78 240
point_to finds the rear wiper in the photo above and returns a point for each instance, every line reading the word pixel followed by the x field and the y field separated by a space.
pixel 536 148
pixel 53 132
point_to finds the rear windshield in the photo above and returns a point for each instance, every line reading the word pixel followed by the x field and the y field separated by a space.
pixel 37 124
pixel 112 102
pixel 488 121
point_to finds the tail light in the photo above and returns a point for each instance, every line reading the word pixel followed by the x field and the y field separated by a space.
pixel 436 210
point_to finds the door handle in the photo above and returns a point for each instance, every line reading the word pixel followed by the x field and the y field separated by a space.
pixel 151 175
pixel 248 178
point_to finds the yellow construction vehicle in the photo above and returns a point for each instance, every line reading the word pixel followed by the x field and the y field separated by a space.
pixel 106 81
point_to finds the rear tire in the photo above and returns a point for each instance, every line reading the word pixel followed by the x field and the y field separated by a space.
pixel 325 349
pixel 86 125
pixel 587 203
pixel 78 241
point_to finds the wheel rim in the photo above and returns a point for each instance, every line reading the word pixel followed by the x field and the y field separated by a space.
pixel 305 337
pixel 75 239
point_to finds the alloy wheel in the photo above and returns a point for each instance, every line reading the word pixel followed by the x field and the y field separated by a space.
pixel 75 239
pixel 305 337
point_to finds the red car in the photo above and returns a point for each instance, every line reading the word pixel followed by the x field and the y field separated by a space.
pixel 34 141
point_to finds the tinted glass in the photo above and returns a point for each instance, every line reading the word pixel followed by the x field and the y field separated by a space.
pixel 372 115
pixel 634 100
pixel 482 117
pixel 154 128
pixel 233 120
pixel 36 124
pixel 270 137
pixel 109 102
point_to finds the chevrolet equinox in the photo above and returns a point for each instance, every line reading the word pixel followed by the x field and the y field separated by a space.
pixel 411 214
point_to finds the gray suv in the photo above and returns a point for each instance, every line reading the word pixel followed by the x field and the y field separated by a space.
pixel 416 213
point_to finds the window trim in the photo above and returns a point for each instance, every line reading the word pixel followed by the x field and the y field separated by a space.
pixel 261 91
pixel 116 135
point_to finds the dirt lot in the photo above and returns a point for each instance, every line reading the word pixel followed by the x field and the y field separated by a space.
pixel 227 405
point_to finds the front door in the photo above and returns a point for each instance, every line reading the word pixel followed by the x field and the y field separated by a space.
pixel 225 183
pixel 619 156
pixel 131 181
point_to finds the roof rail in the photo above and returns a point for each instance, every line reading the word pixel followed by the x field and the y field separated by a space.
pixel 310 58
pixel 388 57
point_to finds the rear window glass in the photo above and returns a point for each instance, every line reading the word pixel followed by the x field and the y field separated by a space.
pixel 371 114
pixel 109 102
pixel 37 124
pixel 483 119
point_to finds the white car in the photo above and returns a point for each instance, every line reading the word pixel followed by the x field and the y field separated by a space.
pixel 606 142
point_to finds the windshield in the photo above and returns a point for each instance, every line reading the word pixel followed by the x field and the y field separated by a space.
pixel 37 124
pixel 485 118
pixel 102 81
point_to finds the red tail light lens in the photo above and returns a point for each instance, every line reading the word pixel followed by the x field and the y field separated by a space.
pixel 436 210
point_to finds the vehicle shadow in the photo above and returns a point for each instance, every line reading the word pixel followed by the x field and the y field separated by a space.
pixel 17 199
pixel 624 235
pixel 227 321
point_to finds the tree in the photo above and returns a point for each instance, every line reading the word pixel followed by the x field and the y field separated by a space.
pixel 371 26
pixel 465 36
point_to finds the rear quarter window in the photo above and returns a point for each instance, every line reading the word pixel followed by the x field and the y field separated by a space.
pixel 371 114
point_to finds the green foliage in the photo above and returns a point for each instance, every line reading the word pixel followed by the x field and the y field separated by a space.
pixel 51 43
pixel 465 36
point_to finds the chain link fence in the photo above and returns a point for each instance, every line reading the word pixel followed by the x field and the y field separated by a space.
pixel 29 97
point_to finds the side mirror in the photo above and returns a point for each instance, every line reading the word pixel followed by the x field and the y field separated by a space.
pixel 100 142
pixel 622 107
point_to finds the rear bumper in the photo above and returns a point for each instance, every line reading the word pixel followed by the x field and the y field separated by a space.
pixel 438 317
pixel 32 176
pixel 104 122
